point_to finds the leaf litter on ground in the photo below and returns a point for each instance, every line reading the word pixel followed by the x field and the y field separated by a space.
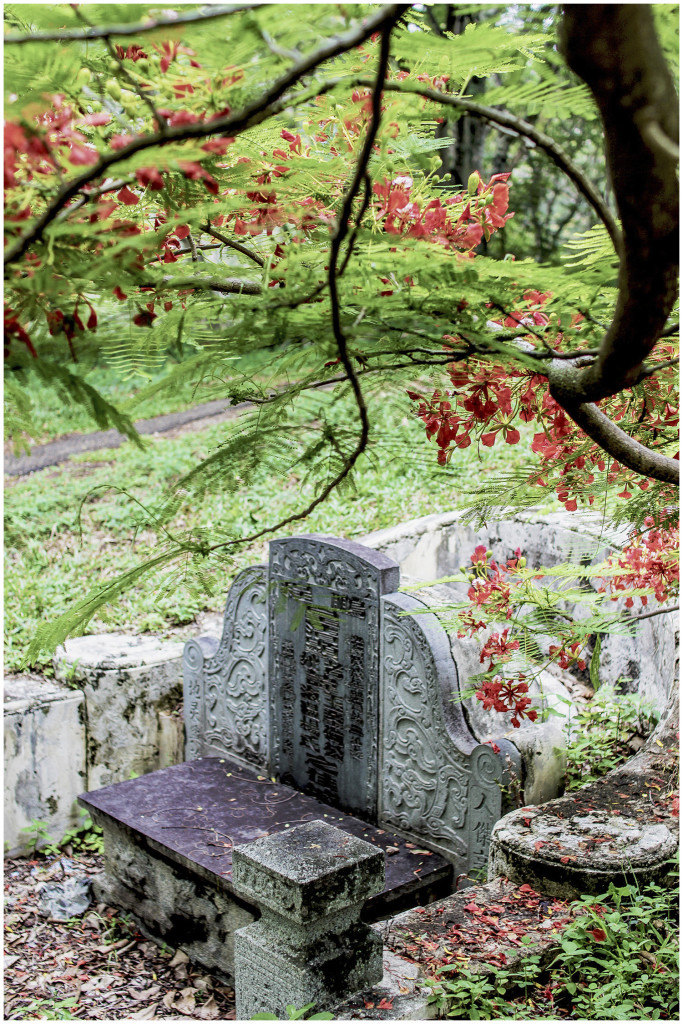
pixel 98 965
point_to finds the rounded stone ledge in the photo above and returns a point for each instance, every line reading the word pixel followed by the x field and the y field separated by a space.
pixel 116 651
pixel 619 829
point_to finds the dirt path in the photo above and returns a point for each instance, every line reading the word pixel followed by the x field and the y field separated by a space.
pixel 63 448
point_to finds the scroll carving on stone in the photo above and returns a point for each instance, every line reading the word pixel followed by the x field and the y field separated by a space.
pixel 225 682
pixel 324 639
pixel 437 784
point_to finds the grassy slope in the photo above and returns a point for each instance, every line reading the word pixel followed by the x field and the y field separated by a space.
pixel 48 565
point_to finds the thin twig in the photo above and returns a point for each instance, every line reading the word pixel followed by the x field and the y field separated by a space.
pixel 193 247
pixel 655 611
pixel 237 246
pixel 342 228
pixel 156 116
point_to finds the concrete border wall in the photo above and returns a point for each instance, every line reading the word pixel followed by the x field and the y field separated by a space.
pixel 112 712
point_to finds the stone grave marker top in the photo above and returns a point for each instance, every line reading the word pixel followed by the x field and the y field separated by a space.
pixel 324 641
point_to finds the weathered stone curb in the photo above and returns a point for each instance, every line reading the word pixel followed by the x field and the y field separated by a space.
pixel 127 681
pixel 45 770
pixel 618 829
pixel 110 713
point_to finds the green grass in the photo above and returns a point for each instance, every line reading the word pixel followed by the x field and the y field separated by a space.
pixel 52 417
pixel 48 566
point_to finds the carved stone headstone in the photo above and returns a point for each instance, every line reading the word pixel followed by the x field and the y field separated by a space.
pixel 225 682
pixel 324 640
pixel 324 679
pixel 437 784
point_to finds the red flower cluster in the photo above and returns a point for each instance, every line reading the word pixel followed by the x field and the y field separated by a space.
pixel 566 656
pixel 506 696
pixel 650 562
pixel 498 648
pixel 13 329
pixel 476 218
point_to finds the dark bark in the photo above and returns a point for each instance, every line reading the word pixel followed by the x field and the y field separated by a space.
pixel 614 48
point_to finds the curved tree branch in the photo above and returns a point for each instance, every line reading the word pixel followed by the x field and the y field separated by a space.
pixel 78 35
pixel 621 446
pixel 337 239
pixel 521 128
pixel 615 50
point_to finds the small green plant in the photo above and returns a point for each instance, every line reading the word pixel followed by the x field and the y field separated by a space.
pixel 37 836
pixel 294 1014
pixel 602 732
pixel 47 1009
pixel 617 960
pixel 85 837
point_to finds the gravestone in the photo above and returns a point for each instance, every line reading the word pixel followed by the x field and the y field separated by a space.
pixel 344 689
pixel 327 698
pixel 324 641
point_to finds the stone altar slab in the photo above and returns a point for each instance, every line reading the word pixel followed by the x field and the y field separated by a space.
pixel 194 813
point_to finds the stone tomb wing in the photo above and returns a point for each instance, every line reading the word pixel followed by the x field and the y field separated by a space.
pixel 437 784
pixel 324 641
pixel 225 682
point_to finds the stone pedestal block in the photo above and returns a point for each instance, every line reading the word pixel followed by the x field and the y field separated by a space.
pixel 310 946
pixel 127 682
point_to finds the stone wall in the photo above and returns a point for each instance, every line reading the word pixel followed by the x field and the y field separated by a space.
pixel 436 546
pixel 113 712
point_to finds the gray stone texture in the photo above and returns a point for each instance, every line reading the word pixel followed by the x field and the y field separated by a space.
pixel 309 946
pixel 620 828
pixel 437 784
pixel 643 659
pixel 324 640
pixel 315 650
pixel 225 681
pixel 127 682
pixel 171 904
pixel 45 770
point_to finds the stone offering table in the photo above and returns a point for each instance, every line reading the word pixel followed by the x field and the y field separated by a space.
pixel 310 945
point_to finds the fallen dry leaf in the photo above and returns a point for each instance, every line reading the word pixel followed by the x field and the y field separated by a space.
pixel 179 958
pixel 149 1013
pixel 208 1011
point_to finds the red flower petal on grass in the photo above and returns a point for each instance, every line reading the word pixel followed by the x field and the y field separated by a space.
pixel 598 934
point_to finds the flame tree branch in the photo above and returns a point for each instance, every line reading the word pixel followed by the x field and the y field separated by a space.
pixel 267 105
pixel 77 35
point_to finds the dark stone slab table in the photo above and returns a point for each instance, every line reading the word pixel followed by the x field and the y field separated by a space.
pixel 192 815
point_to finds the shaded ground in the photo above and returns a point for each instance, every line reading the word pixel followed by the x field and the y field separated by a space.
pixel 54 452
pixel 97 965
